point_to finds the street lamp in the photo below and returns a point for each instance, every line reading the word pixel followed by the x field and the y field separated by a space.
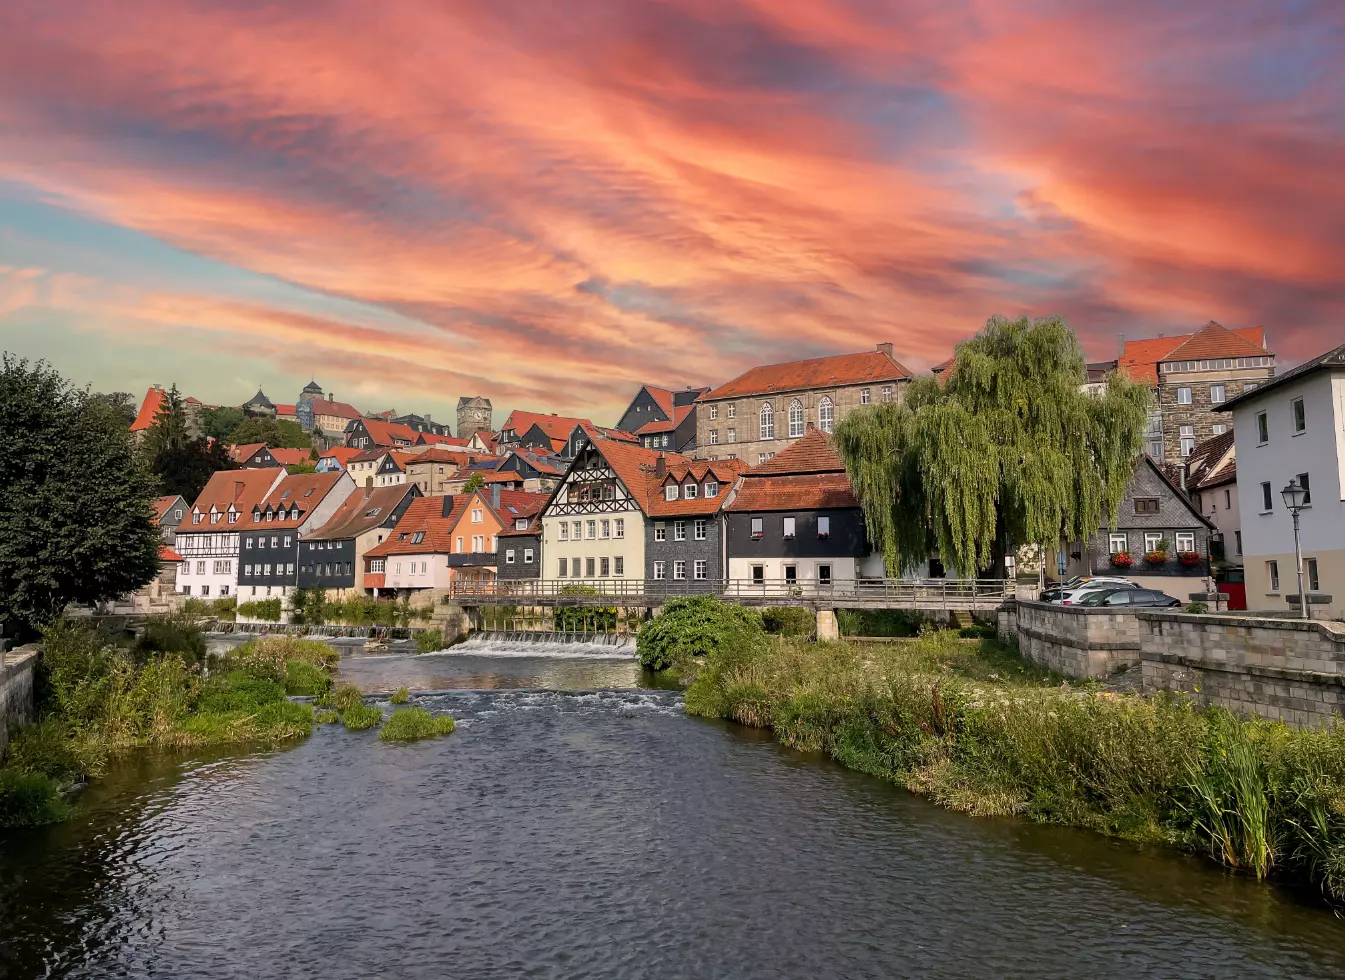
pixel 1295 497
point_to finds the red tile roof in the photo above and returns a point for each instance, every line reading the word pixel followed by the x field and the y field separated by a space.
pixel 388 433
pixel 285 411
pixel 811 453
pixel 634 465
pixel 322 406
pixel 679 414
pixel 435 517
pixel 163 505
pixel 867 367
pixel 555 426
pixel 342 454
pixel 1140 358
pixel 245 452
pixel 458 457
pixel 429 438
pixel 241 489
pixel 601 432
pixel 361 511
pixel 1216 340
pixel 809 475
pixel 292 457
pixel 149 408
pixel 168 554
pixel 304 490
pixel 725 472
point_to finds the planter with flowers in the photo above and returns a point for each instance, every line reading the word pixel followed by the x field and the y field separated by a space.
pixel 1156 558
pixel 1122 559
pixel 1189 558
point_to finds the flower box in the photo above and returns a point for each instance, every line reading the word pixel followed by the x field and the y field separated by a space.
pixel 1156 558
pixel 1190 558
pixel 1122 559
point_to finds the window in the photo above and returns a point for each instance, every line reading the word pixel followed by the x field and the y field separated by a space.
pixel 1146 505
pixel 1152 539
pixel 509 556
pixel 701 527
pixel 679 570
pixel 289 541
pixel 1307 489
pixel 823 574
pixel 887 393
pixel 564 531
pixel 196 518
pixel 756 527
pixel 826 414
pixel 205 590
pixel 275 541
pixel 619 565
pixel 578 530
pixel 589 564
pixel 528 556
pixel 478 543
pixel 592 530
pixel 377 565
pixel 247 571
pixel 1217 396
pixel 223 590
pixel 562 568
pixel 795 419
pixel 767 421
pixel 177 514
pixel 1267 500
pixel 233 517
pixel 864 397
pixel 679 530
pixel 660 569
pixel 200 568
pixel 248 542
pixel 714 412
pixel 1220 428
pixel 789 527
pixel 711 489
pixel 660 532
pixel 700 570
pixel 758 574
pixel 223 567
pixel 620 528
pixel 689 491
pixel 214 518
pixel 476 515
pixel 1117 543
pixel 1183 396
pixel 824 527
pixel 457 545
pixel 1186 541
pixel 604 567
pixel 266 569
pixel 1188 437
pixel 1228 499
pixel 1154 448
pixel 1310 565
pixel 733 414
pixel 1273 575
pixel 1262 429
pixel 733 435
pixel 520 524
pixel 270 516
pixel 605 530
pixel 791 574
pixel 1300 419
pixel 714 437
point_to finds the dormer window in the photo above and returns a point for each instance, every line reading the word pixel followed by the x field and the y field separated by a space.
pixel 284 494
pixel 256 516
pixel 711 489
pixel 670 492
pixel 521 524
pixel 196 517
pixel 214 517
pixel 689 491
pixel 270 516
pixel 233 517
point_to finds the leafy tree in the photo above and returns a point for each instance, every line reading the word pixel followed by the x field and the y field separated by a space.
pixel 474 483
pixel 305 467
pixel 122 402
pixel 182 462
pixel 75 517
pixel 276 433
pixel 1009 449
pixel 219 422
pixel 694 626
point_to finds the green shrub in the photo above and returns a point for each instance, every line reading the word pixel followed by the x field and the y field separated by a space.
pixel 400 696
pixel 1197 607
pixel 696 626
pixel 978 631
pixel 172 633
pixel 789 621
pixel 878 622
pixel 326 717
pixel 409 724
pixel 264 609
pixel 303 678
pixel 50 748
pixel 268 656
pixel 195 608
pixel 75 672
pixel 428 641
pixel 224 606
pixel 30 799
pixel 239 691
pixel 358 717
pixel 583 619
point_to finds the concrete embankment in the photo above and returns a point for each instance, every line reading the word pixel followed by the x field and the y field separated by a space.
pixel 16 689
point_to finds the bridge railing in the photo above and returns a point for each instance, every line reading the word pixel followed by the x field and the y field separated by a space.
pixel 916 593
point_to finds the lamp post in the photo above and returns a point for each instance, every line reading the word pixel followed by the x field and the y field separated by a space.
pixel 1295 497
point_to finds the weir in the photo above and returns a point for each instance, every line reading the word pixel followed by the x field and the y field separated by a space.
pixel 540 643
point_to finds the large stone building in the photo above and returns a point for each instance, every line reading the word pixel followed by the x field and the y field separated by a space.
pixel 474 414
pixel 758 414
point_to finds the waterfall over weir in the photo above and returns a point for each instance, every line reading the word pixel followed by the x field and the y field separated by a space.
pixel 535 643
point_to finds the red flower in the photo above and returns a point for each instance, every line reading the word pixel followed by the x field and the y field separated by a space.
pixel 1122 559
pixel 1189 558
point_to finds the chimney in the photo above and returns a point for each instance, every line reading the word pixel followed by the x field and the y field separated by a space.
pixel 428 417
pixel 368 483
pixel 495 496
pixel 885 348
pixel 660 467
pixel 446 509
pixel 331 396
pixel 1120 345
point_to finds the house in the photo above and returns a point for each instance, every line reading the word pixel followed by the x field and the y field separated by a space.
pixel 336 458
pixel 168 514
pixel 474 415
pixel 794 521
pixel 332 556
pixel 1293 427
pixel 378 468
pixel 366 433
pixel 292 457
pixel 684 541
pixel 434 470
pixel 1160 540
pixel 430 440
pixel 523 469
pixel 259 405
pixel 414 555
pixel 327 416
pixel 153 403
pixel 484 441
pixel 519 548
pixel 552 430
pixel 253 455
pixel 759 413
pixel 271 533
pixel 209 540
pixel 1212 484
pixel 474 557
pixel 663 418
pixel 423 424
pixel 1191 375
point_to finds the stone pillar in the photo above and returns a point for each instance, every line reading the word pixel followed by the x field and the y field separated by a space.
pixel 828 629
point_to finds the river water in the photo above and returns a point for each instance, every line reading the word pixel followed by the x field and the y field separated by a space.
pixel 577 824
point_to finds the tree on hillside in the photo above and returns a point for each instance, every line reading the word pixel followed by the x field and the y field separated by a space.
pixel 181 463
pixel 219 422
pixel 122 402
pixel 474 483
pixel 276 433
pixel 75 517
pixel 1008 450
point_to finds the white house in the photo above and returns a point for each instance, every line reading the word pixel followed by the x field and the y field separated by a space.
pixel 1294 427
pixel 208 537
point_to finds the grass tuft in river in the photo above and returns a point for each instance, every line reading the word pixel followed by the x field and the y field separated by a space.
pixel 358 717
pixel 325 716
pixel 409 724
pixel 401 695
pixel 978 729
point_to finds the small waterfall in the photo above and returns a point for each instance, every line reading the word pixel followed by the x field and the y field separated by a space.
pixel 534 643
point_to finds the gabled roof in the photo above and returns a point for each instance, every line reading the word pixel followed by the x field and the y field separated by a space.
pixel 1213 463
pixel 341 410
pixel 362 511
pixel 808 475
pixel 633 465
pixel 1147 460
pixel 168 554
pixel 342 454
pixel 554 426
pixel 434 518
pixel 241 489
pixel 543 463
pixel 164 504
pixel 245 452
pixel 678 415
pixel 1334 358
pixel 291 457
pixel 388 433
pixel 304 490
pixel 457 457
pixel 867 367
pixel 429 438
pixel 724 472
pixel 811 453
pixel 149 409
pixel 1140 358
pixel 1216 340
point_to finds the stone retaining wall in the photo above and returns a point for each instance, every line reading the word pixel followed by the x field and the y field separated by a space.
pixel 1077 641
pixel 16 690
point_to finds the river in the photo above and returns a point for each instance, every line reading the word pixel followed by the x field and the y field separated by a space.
pixel 577 824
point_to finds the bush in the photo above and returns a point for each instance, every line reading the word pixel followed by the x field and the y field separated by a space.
pixel 30 799
pixel 178 633
pixel 269 656
pixel 303 678
pixel 341 697
pixel 358 717
pixel 1197 607
pixel 239 691
pixel 264 609
pixel 978 631
pixel 789 621
pixel 583 619
pixel 224 606
pixel 428 641
pixel 50 748
pixel 400 696
pixel 878 622
pixel 696 626
pixel 195 608
pixel 409 724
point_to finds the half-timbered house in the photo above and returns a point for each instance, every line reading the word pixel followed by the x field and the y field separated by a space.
pixel 208 537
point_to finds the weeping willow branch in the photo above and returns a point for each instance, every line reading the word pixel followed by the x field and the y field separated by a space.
pixel 1011 443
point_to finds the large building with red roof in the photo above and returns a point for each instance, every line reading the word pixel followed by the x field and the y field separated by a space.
pixel 759 413
pixel 271 532
pixel 208 539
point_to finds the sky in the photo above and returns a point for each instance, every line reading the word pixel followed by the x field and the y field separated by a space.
pixel 549 204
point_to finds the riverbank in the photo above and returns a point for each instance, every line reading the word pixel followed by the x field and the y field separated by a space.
pixel 979 730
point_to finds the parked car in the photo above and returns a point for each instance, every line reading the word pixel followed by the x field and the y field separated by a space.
pixel 1148 598
pixel 1058 591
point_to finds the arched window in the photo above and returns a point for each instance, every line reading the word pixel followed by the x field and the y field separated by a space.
pixel 795 419
pixel 826 414
pixel 767 421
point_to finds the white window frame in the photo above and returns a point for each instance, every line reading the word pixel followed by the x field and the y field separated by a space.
pixel 563 531
pixel 1117 542
pixel 670 492
pixel 758 528
pixel 714 412
pixel 791 527
pixel 1273 576
pixel 732 434
pixel 619 531
pixel 865 396
pixel 528 556
pixel 1184 395
pixel 679 530
pixel 826 414
pixel 679 570
pixel 509 556
pixel 711 488
pixel 1189 537
pixel 477 516
pixel 701 529
pixel 795 419
pixel 689 491
pixel 660 570
pixel 1151 540
pixel 700 570
pixel 766 421
pixel 824 526
pixel 714 437
pixel 1218 394
pixel 660 532
pixel 732 411
pixel 1262 428
pixel 605 529
pixel 619 565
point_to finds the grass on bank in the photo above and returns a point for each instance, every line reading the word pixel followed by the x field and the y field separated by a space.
pixel 979 730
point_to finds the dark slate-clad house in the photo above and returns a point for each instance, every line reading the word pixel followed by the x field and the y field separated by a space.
pixel 1154 514
pixel 684 543
pixel 663 418
pixel 794 520
pixel 519 544
pixel 268 562
pixel 332 556
pixel 168 514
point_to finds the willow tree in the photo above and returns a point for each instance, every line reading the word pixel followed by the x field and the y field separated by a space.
pixel 1007 448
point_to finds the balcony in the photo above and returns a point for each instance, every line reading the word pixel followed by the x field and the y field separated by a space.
pixel 473 559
